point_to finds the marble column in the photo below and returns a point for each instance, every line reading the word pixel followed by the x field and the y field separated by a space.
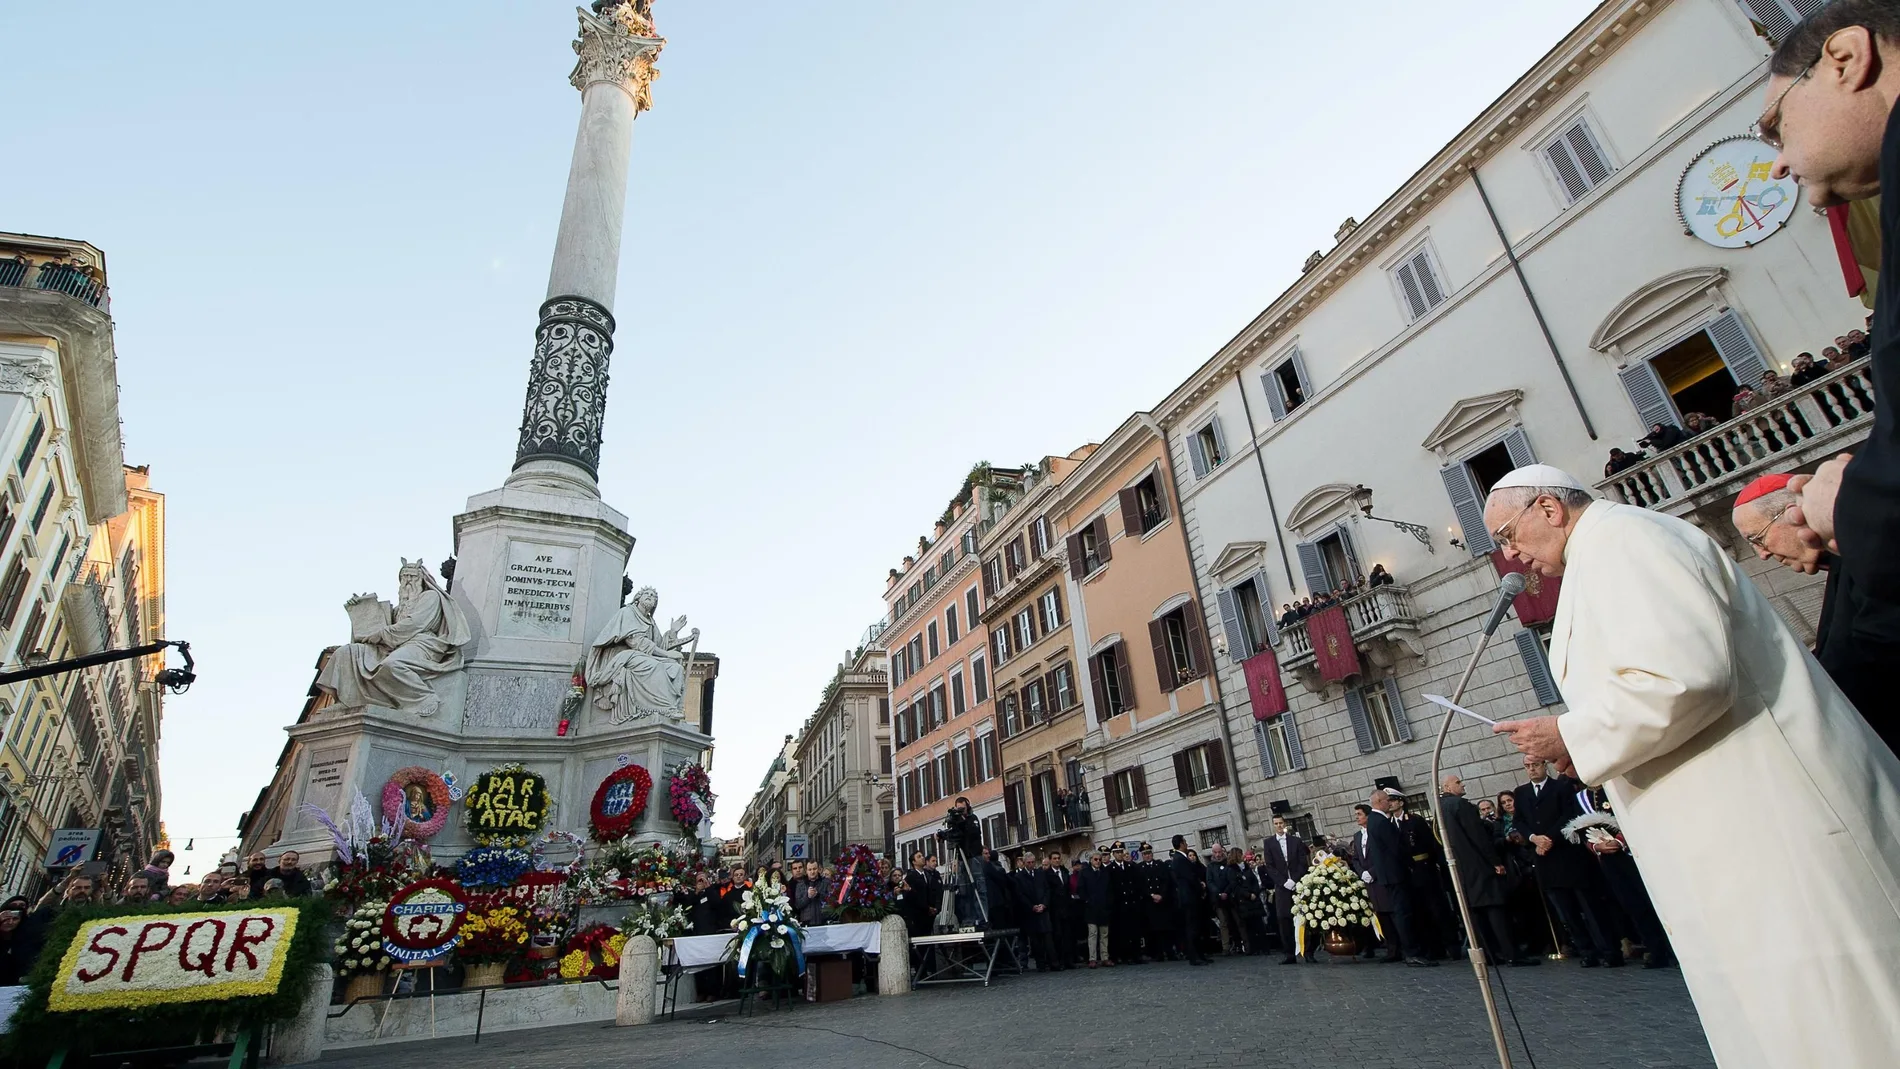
pixel 561 420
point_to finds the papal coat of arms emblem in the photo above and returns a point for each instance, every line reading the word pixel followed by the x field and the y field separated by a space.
pixel 1332 645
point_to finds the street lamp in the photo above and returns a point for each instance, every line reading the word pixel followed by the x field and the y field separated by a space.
pixel 1363 498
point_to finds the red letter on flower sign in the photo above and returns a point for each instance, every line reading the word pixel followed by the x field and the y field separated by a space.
pixel 242 943
pixel 87 976
pixel 140 946
pixel 208 960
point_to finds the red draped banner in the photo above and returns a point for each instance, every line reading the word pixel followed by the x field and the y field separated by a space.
pixel 1264 688
pixel 1333 650
pixel 1538 602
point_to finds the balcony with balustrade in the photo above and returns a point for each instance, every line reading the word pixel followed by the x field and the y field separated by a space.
pixel 1385 627
pixel 1795 431
pixel 74 268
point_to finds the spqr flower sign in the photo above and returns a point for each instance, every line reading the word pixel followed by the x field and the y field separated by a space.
pixel 1330 897
pixel 507 806
pixel 771 941
pixel 177 957
pixel 618 803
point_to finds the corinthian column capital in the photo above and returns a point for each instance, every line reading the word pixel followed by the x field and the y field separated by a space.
pixel 618 45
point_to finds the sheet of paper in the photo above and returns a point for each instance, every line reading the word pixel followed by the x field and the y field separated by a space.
pixel 1440 699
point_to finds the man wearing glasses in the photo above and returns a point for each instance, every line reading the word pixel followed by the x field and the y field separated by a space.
pixel 1684 687
pixel 1830 115
pixel 1859 645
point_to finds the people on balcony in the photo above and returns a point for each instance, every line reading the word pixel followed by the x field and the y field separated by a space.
pixel 1697 422
pixel 1807 369
pixel 1771 386
pixel 1743 401
pixel 1379 576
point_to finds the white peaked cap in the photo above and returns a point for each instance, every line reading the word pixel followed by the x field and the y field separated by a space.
pixel 1541 475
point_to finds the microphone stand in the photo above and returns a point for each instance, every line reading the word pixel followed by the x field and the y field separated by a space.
pixel 1480 963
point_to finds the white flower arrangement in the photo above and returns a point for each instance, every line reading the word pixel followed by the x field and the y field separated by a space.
pixel 1331 896
pixel 360 949
pixel 654 921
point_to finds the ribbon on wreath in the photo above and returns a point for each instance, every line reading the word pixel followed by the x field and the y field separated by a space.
pixel 769 924
pixel 844 888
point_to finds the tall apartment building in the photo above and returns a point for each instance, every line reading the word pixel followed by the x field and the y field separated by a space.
pixel 1034 668
pixel 1156 756
pixel 942 701
pixel 76 750
pixel 1600 250
pixel 843 754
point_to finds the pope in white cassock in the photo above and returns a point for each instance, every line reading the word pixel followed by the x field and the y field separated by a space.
pixel 1763 812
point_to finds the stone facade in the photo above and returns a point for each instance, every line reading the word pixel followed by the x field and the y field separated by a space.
pixel 844 759
pixel 81 570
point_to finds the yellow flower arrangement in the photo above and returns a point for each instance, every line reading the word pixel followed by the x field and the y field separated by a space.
pixel 491 935
pixel 611 955
pixel 576 964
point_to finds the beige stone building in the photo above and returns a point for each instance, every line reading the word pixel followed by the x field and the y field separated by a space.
pixel 843 754
pixel 1035 669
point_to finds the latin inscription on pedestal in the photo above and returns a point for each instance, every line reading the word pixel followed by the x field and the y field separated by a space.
pixel 323 783
pixel 537 595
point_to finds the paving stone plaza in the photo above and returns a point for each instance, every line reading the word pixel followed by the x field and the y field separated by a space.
pixel 1240 1012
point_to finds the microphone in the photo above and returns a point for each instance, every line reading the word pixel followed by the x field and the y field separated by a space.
pixel 1510 587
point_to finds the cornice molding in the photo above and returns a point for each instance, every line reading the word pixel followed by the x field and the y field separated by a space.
pixel 1496 127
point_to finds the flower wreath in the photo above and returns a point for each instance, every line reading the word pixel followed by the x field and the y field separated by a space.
pixel 540 851
pixel 444 898
pixel 396 802
pixel 533 811
pixel 593 952
pixel 618 803
pixel 689 779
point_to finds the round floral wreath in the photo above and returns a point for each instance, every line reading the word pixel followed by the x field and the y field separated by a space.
pixel 540 850
pixel 689 779
pixel 537 813
pixel 606 827
pixel 444 936
pixel 396 802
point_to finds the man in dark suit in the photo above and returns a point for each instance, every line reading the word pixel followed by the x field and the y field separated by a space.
pixel 1055 879
pixel 1187 894
pixel 1163 912
pixel 1032 899
pixel 1359 856
pixel 1566 871
pixel 1481 870
pixel 1223 893
pixel 1389 864
pixel 1286 860
pixel 917 897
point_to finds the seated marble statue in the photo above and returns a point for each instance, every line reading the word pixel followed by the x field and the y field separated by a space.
pixel 633 670
pixel 394 663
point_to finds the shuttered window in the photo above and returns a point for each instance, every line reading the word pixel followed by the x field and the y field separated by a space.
pixel 1576 160
pixel 1286 385
pixel 1201 768
pixel 1207 448
pixel 1530 650
pixel 1419 285
pixel 1777 17
pixel 1732 340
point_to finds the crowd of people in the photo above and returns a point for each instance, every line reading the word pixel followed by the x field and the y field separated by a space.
pixel 1805 368
pixel 25 925
pixel 1293 612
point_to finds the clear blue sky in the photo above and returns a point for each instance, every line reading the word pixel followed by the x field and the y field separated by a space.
pixel 867 245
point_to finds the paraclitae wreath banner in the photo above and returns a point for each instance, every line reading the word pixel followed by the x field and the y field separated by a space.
pixel 507 806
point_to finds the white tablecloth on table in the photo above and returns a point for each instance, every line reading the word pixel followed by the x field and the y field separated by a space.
pixel 693 951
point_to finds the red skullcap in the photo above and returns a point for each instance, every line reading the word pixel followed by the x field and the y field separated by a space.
pixel 1762 487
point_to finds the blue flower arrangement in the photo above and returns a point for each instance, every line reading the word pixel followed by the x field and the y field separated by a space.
pixel 493 866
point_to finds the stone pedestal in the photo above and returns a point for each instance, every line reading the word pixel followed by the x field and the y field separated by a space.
pixel 300 1039
pixel 639 969
pixel 893 957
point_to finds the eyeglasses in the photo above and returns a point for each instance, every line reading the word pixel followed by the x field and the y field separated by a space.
pixel 1506 534
pixel 1756 538
pixel 1767 128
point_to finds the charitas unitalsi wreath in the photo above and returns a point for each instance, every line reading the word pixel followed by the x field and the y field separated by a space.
pixel 507 806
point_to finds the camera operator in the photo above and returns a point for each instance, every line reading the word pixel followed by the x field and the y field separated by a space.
pixel 961 833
